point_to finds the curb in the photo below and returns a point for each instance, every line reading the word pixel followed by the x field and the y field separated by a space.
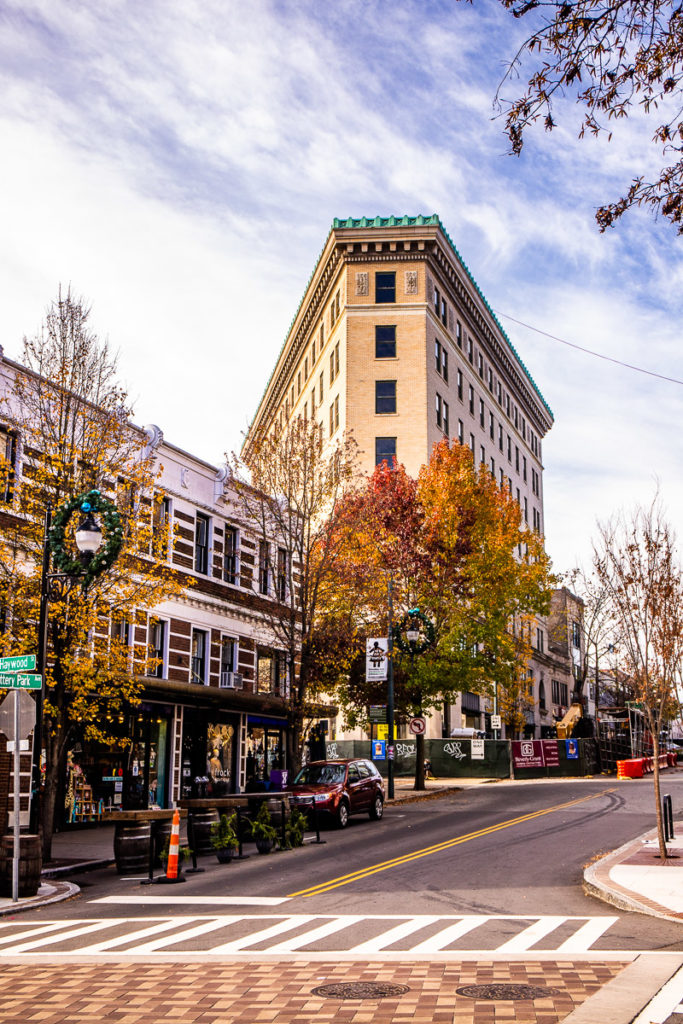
pixel 597 883
pixel 419 796
pixel 78 868
pixel 57 892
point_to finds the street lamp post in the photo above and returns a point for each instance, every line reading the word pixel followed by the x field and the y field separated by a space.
pixel 88 537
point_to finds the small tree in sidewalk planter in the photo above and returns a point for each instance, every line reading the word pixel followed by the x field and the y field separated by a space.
pixel 263 833
pixel 295 828
pixel 224 837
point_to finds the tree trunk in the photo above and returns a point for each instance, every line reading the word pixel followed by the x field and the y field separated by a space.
pixel 663 852
pixel 294 746
pixel 419 762
pixel 49 791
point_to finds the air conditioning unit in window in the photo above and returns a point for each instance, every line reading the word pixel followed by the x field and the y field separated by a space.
pixel 231 681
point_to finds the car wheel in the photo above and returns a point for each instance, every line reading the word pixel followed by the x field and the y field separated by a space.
pixel 377 808
pixel 343 814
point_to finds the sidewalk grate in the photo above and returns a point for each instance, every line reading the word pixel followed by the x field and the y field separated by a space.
pixel 360 990
pixel 499 993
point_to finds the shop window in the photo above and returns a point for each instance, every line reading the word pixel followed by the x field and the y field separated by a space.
pixel 201 544
pixel 156 641
pixel 265 753
pixel 199 660
pixel 230 566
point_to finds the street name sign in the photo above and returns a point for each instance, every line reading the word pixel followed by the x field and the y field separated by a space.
pixel 18 663
pixel 20 681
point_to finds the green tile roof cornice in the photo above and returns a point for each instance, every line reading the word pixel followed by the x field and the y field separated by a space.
pixel 420 221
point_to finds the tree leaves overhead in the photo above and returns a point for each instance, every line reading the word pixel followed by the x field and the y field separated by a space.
pixel 616 57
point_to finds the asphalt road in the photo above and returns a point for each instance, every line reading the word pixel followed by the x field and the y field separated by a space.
pixel 495 867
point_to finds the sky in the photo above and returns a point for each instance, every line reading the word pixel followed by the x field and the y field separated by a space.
pixel 180 166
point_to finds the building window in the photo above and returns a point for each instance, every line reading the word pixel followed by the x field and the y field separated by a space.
pixel 541 695
pixel 507 405
pixel 470 349
pixel 482 455
pixel 517 458
pixel 437 301
pixel 334 416
pixel 576 634
pixel 492 426
pixel 509 448
pixel 470 393
pixel 524 468
pixel 444 313
pixel 321 387
pixel 459 384
pixel 156 640
pixel 385 342
pixel 480 365
pixel 282 574
pixel 271 672
pixel 298 384
pixel 499 393
pixel 493 467
pixel 526 511
pixel 313 404
pixel 8 447
pixel 472 445
pixel 230 568
pixel 490 379
pixel 500 437
pixel 161 521
pixel 198 666
pixel 461 432
pixel 482 414
pixel 263 566
pixel 446 425
pixel 228 658
pixel 120 631
pixel 560 693
pixel 201 544
pixel 385 451
pixel 437 355
pixel 458 334
pixel 385 396
pixel 438 410
pixel 385 286
pixel 540 640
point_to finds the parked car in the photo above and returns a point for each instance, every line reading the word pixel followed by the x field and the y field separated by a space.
pixel 340 789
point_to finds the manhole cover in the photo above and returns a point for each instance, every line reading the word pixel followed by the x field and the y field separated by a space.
pixel 360 990
pixel 501 992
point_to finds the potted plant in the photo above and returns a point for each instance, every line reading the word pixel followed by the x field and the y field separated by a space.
pixel 262 831
pixel 223 838
pixel 295 828
pixel 184 854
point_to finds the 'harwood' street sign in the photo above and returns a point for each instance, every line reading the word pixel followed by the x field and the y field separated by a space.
pixel 18 663
pixel 20 681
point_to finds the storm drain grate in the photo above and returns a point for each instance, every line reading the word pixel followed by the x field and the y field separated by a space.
pixel 360 990
pixel 502 992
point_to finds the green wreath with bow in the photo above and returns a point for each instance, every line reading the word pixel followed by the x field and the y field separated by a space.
pixel 65 561
pixel 414 618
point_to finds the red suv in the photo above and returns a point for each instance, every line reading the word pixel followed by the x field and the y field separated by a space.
pixel 339 789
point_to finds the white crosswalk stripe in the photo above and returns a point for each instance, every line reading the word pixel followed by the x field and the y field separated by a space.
pixel 343 934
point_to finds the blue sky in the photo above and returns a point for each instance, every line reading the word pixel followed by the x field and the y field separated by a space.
pixel 181 164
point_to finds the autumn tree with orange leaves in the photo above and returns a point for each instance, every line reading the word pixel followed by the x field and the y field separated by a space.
pixel 456 548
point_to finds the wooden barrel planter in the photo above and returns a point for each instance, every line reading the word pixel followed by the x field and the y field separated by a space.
pixel 30 864
pixel 199 830
pixel 162 838
pixel 131 846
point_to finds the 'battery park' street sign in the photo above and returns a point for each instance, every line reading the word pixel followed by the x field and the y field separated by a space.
pixel 20 681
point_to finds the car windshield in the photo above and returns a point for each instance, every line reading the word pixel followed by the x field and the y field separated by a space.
pixel 320 773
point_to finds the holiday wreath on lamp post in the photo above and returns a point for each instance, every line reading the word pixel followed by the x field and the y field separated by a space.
pixel 414 632
pixel 93 557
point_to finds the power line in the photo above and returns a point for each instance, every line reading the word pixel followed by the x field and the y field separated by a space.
pixel 590 352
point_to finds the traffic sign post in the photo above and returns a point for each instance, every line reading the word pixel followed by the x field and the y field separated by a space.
pixel 15 675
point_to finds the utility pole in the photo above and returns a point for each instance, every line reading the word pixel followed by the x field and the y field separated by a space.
pixel 390 688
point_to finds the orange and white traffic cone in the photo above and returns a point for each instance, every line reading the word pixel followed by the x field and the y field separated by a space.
pixel 172 874
pixel 174 847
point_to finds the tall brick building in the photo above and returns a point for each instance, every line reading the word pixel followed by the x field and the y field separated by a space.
pixel 394 342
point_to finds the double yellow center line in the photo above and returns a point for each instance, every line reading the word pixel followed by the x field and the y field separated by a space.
pixel 427 851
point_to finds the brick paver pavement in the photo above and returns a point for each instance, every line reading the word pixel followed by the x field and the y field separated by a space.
pixel 265 992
